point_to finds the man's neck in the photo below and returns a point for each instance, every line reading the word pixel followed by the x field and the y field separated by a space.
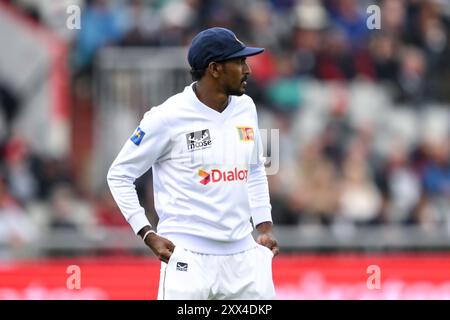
pixel 210 96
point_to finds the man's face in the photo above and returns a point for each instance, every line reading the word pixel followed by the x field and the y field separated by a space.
pixel 234 76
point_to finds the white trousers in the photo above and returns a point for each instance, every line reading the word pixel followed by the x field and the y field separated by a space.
pixel 245 275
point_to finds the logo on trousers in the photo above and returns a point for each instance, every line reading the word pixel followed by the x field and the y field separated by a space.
pixel 182 266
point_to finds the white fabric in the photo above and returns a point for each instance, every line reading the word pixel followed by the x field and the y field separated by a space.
pixel 218 211
pixel 241 276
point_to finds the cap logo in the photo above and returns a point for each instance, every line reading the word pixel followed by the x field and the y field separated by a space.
pixel 239 41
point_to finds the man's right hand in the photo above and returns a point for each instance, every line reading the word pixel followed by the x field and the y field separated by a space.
pixel 161 247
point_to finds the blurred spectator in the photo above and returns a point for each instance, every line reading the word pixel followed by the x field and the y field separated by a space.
pixel 69 218
pixel 178 18
pixel 142 24
pixel 284 92
pixel 67 212
pixel 313 194
pixel 349 16
pixel 359 200
pixel 310 21
pixel 393 15
pixel 411 76
pixel 436 179
pixel 334 61
pixel 265 27
pixel 101 26
pixel 337 133
pixel 49 173
pixel 16 228
pixel 61 216
pixel 21 179
pixel 432 29
pixel 383 48
pixel 402 184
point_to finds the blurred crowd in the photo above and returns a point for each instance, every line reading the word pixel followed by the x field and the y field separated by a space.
pixel 336 176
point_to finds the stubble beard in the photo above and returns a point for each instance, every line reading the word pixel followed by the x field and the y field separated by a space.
pixel 235 91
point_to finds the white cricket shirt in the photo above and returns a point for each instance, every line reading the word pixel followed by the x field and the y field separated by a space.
pixel 208 173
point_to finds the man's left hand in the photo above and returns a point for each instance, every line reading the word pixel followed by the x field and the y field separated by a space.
pixel 267 238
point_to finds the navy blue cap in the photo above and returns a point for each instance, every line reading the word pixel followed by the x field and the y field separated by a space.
pixel 217 44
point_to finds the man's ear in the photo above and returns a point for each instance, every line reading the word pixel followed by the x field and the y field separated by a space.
pixel 215 69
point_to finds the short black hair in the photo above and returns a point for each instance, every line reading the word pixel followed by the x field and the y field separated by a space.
pixel 197 74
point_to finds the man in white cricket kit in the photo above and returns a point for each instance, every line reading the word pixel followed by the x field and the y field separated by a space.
pixel 209 180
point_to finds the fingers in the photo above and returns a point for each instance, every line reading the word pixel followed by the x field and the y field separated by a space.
pixel 275 250
pixel 167 254
pixel 162 248
pixel 164 259
pixel 269 242
pixel 273 245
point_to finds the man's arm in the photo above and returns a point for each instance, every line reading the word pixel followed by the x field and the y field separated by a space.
pixel 259 199
pixel 139 153
pixel 261 209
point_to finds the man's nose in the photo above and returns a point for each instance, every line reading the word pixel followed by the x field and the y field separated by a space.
pixel 247 70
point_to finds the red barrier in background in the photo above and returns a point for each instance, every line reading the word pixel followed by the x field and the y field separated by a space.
pixel 412 276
